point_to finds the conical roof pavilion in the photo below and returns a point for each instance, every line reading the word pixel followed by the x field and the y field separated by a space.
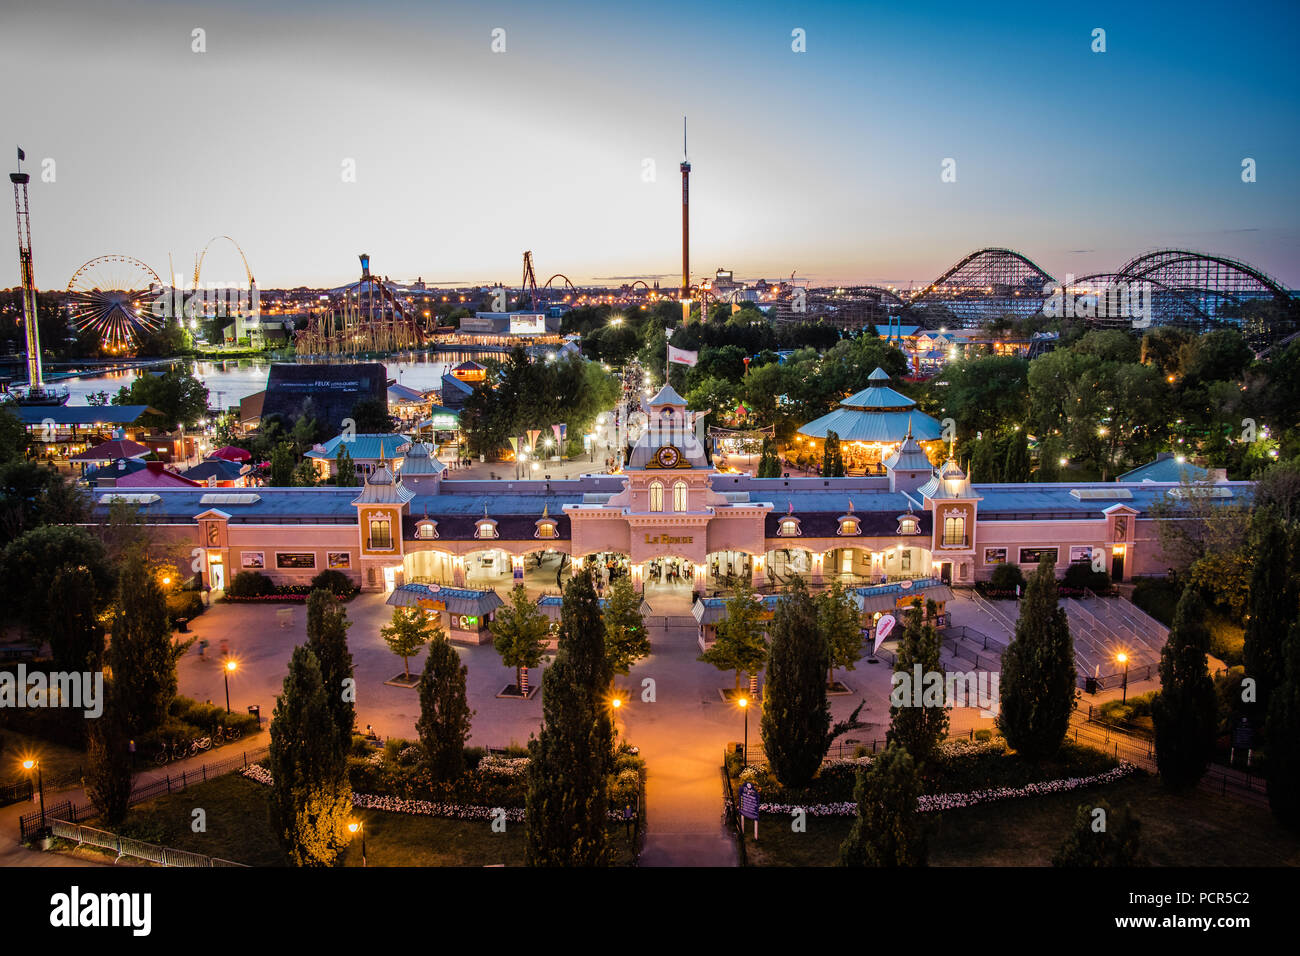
pixel 875 414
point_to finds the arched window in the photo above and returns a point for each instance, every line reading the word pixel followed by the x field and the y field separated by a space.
pixel 381 538
pixel 679 496
pixel 656 496
pixel 954 532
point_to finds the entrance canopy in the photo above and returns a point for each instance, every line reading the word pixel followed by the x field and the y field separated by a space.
pixel 889 597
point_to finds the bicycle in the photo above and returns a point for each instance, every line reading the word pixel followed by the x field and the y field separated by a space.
pixel 226 735
pixel 199 745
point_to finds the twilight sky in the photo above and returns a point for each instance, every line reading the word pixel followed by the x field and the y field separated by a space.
pixel 825 163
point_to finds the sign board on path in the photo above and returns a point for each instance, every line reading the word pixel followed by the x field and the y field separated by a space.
pixel 749 801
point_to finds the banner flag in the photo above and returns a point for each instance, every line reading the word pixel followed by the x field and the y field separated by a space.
pixel 683 357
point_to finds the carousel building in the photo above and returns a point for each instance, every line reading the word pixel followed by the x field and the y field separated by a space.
pixel 670 521
pixel 872 425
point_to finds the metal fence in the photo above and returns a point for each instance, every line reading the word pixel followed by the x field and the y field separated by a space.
pixel 30 823
pixel 15 793
pixel 731 814
pixel 125 846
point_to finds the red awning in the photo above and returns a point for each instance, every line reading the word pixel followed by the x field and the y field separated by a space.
pixel 231 453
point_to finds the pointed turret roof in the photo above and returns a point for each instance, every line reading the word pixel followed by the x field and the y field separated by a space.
pixel 667 396
pixel 382 488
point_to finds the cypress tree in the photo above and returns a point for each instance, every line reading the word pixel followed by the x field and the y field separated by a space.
pixel 1273 606
pixel 769 464
pixel 327 637
pixel 796 724
pixel 1185 711
pixel 141 655
pixel 832 457
pixel 345 468
pixel 1284 737
pixel 108 760
pixel 840 623
pixel 1101 836
pixel 1016 467
pixel 445 715
pixel 918 721
pixel 888 829
pixel 311 799
pixel 567 804
pixel 1037 684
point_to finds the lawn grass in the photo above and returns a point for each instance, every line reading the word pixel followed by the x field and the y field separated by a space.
pixel 238 829
pixel 1196 828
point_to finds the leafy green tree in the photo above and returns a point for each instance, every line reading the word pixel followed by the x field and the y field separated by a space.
pixel 108 760
pixel 141 654
pixel 918 727
pixel 345 468
pixel 311 799
pixel 73 626
pixel 1185 711
pixel 888 830
pixel 1037 685
pixel 1102 836
pixel 327 637
pixel 840 624
pixel 1283 769
pixel 445 714
pixel 13 437
pixel 626 638
pixel 519 633
pixel 1049 459
pixel 32 495
pixel 175 398
pixel 282 466
pixel 832 457
pixel 410 630
pixel 796 724
pixel 741 643
pixel 372 418
pixel 57 581
pixel 986 393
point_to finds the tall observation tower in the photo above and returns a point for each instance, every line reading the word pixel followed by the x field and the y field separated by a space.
pixel 36 393
pixel 686 218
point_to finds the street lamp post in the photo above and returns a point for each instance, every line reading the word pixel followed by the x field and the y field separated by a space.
pixel 1123 659
pixel 225 673
pixel 744 705
pixel 356 827
pixel 29 765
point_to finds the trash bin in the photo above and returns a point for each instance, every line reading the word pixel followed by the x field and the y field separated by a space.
pixel 183 625
pixel 1090 685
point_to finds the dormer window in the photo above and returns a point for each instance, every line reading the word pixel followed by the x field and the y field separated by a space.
pixel 545 528
pixel 426 530
pixel 908 524
pixel 486 528
pixel 849 525
pixel 788 528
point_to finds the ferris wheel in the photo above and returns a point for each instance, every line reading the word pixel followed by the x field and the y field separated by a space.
pixel 112 297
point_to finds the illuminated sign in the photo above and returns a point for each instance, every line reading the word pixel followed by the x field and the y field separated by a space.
pixel 667 539
pixel 528 324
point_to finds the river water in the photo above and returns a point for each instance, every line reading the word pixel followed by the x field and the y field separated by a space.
pixel 229 381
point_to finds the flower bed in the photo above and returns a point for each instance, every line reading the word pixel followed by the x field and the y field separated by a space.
pixel 928 803
pixel 424 808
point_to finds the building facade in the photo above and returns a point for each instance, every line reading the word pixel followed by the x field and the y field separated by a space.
pixel 669 520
